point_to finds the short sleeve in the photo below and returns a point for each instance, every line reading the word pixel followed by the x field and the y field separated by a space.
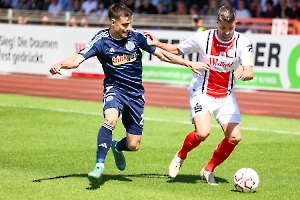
pixel 191 45
pixel 91 50
pixel 246 51
pixel 143 42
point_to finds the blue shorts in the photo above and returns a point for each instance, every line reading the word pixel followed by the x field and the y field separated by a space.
pixel 131 109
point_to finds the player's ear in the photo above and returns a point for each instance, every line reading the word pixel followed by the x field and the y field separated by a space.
pixel 113 22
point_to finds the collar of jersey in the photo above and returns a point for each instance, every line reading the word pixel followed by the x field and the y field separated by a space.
pixel 224 42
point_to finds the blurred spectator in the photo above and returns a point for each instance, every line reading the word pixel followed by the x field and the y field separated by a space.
pixel 89 6
pixel 45 20
pixel 264 5
pixel 146 8
pixel 35 5
pixel 270 10
pixel 211 12
pixel 212 9
pixel 129 3
pixel 294 12
pixel 162 7
pixel 101 14
pixel 64 3
pixel 9 3
pixel 226 3
pixel 242 12
pixel 194 10
pixel 202 4
pixel 23 5
pixel 83 22
pixel 46 4
pixel 22 20
pixel 181 8
pixel 198 21
pixel 282 9
pixel 73 22
pixel 257 12
pixel 254 7
pixel 73 7
pixel 55 8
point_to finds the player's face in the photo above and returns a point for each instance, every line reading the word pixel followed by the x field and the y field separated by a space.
pixel 226 30
pixel 121 27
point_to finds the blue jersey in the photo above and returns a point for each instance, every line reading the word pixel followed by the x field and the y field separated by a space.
pixel 121 59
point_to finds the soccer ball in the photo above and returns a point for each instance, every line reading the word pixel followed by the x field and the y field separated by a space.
pixel 246 180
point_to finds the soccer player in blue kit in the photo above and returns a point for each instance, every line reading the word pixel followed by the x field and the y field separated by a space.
pixel 118 50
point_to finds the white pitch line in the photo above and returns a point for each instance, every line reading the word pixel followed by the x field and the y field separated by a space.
pixel 146 118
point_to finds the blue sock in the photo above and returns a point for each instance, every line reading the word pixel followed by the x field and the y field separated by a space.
pixel 122 145
pixel 104 142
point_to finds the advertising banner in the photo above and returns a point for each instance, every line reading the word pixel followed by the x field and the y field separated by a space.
pixel 34 49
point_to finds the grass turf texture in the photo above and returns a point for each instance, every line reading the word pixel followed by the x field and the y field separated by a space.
pixel 48 147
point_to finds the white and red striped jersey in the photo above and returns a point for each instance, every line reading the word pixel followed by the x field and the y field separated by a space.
pixel 222 57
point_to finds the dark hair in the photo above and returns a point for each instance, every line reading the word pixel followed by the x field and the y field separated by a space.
pixel 119 10
pixel 196 19
pixel 227 14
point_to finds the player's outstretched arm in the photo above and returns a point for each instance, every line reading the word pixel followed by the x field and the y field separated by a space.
pixel 168 47
pixel 244 73
pixel 70 63
pixel 171 58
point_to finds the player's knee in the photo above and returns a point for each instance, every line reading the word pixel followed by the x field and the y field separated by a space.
pixel 202 134
pixel 133 146
pixel 235 139
pixel 111 121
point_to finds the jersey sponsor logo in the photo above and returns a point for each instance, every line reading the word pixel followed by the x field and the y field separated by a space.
pixel 216 62
pixel 197 108
pixel 119 60
pixel 88 46
pixel 129 45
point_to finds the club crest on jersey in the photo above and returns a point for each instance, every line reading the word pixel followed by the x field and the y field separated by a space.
pixel 222 54
pixel 119 60
pixel 129 45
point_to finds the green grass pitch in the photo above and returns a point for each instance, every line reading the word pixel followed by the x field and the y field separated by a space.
pixel 48 146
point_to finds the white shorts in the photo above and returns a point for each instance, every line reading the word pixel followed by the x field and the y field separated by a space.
pixel 224 109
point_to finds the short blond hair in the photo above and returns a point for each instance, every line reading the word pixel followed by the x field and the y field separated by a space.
pixel 227 14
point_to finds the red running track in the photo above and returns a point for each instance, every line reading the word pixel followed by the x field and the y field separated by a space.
pixel 268 103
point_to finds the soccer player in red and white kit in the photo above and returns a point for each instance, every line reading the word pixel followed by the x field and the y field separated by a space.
pixel 229 54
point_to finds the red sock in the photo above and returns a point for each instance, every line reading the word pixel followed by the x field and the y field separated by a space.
pixel 221 153
pixel 191 141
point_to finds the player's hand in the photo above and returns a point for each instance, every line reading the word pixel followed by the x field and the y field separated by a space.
pixel 196 66
pixel 55 69
pixel 239 74
pixel 153 41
